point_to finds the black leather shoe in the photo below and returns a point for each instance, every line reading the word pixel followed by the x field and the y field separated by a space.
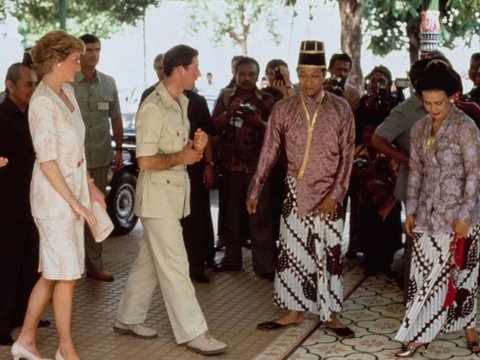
pixel 221 267
pixel 272 325
pixel 6 339
pixel 268 276
pixel 343 332
pixel 200 278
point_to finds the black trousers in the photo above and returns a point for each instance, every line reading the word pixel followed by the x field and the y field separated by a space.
pixel 18 270
pixel 197 227
pixel 260 224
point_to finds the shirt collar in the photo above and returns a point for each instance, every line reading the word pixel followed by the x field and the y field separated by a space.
pixel 79 77
pixel 168 100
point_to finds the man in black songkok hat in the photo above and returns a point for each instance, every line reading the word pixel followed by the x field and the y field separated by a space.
pixel 316 128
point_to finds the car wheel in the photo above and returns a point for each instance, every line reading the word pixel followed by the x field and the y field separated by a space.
pixel 120 203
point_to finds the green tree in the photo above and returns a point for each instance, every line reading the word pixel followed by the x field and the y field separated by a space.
pixel 394 24
pixel 233 19
pixel 102 17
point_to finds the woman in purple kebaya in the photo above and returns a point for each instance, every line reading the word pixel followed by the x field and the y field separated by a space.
pixel 442 217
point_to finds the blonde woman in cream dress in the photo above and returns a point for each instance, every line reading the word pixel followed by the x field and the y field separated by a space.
pixel 61 191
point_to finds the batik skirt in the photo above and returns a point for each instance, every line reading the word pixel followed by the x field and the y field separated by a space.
pixel 309 269
pixel 432 276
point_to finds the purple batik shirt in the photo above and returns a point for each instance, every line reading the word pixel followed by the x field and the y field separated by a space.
pixel 331 154
pixel 443 183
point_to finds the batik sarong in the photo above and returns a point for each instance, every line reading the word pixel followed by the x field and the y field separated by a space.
pixel 431 270
pixel 309 269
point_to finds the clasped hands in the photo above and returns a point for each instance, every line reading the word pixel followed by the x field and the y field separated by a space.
pixel 193 151
pixel 326 210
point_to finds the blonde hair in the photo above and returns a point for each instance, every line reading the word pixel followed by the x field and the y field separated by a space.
pixel 52 48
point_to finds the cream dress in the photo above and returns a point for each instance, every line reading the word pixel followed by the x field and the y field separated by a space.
pixel 58 134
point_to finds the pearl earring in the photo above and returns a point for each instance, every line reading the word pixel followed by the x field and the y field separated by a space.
pixel 58 64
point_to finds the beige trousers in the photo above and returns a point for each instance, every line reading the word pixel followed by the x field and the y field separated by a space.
pixel 162 259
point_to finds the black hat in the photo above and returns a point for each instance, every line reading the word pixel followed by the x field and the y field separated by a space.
pixel 312 54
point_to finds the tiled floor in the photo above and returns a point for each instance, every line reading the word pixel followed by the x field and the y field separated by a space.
pixel 233 304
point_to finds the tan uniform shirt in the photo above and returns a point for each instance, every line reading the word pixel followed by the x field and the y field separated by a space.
pixel 98 101
pixel 162 127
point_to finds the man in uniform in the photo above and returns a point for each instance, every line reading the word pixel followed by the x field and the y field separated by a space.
pixel 162 199
pixel 317 130
pixel 97 98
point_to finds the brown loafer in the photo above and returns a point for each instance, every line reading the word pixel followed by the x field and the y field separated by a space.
pixel 100 274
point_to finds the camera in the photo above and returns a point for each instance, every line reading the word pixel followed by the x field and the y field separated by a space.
pixel 247 109
pixel 278 75
pixel 360 163
pixel 335 85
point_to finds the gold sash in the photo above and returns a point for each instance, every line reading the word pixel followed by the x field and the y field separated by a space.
pixel 311 125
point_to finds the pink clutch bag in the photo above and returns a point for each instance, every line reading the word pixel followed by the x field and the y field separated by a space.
pixel 104 225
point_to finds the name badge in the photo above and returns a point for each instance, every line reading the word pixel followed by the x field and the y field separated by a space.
pixel 103 105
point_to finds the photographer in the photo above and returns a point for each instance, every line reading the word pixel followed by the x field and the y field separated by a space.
pixel 278 76
pixel 375 212
pixel 339 68
pixel 238 121
pixel 378 101
pixel 373 108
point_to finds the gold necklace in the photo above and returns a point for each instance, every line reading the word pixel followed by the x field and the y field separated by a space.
pixel 310 126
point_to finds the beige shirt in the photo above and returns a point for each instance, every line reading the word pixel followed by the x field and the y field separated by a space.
pixel 57 134
pixel 162 127
pixel 98 101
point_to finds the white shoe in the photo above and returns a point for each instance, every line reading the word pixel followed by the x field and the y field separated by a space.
pixel 19 352
pixel 206 345
pixel 58 356
pixel 137 330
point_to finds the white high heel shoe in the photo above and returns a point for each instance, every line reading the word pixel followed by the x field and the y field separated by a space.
pixel 58 356
pixel 19 352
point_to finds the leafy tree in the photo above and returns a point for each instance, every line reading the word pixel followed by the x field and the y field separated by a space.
pixel 233 19
pixel 102 17
pixel 394 24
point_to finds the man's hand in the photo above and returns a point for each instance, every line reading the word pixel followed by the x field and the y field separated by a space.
pixel 460 228
pixel 200 140
pixel 118 160
pixel 409 225
pixel 190 155
pixel 251 205
pixel 286 75
pixel 234 106
pixel 3 161
pixel 326 210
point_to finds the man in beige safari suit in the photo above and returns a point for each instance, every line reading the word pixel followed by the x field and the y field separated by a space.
pixel 162 199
